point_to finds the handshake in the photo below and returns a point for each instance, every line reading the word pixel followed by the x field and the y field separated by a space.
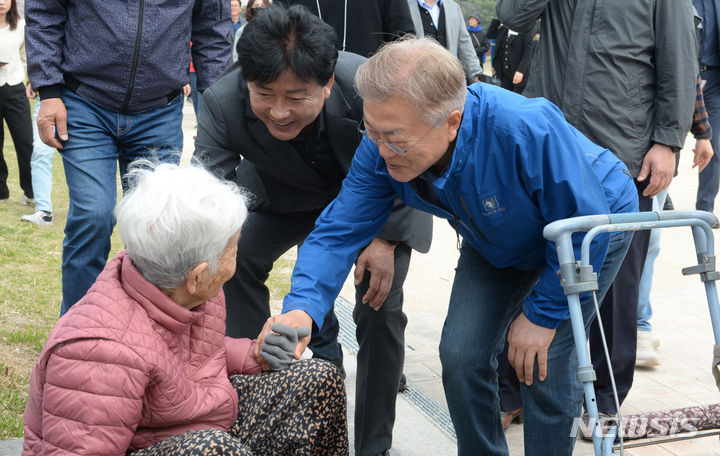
pixel 278 349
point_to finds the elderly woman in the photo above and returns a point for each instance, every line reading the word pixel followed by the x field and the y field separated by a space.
pixel 140 365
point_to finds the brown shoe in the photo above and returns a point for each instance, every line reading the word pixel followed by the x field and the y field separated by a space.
pixel 513 416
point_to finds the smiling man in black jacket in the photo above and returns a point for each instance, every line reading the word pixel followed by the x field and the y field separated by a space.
pixel 282 122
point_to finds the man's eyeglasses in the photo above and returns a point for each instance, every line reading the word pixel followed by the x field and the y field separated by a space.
pixel 393 147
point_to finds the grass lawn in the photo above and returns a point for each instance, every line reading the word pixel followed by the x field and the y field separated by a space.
pixel 30 287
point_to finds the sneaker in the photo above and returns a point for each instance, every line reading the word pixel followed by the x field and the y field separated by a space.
pixel 28 201
pixel 647 345
pixel 513 416
pixel 38 218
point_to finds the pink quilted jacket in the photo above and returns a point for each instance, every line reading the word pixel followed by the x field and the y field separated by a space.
pixel 128 367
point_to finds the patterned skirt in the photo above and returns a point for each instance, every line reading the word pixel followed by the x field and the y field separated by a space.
pixel 298 411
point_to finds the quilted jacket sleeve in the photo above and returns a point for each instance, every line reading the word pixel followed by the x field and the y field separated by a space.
pixel 240 359
pixel 92 399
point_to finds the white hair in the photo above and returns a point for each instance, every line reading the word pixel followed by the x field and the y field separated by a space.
pixel 175 217
pixel 421 71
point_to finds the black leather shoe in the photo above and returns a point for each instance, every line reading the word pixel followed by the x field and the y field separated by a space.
pixel 402 386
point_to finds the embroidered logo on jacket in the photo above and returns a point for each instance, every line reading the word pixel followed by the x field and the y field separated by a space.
pixel 491 206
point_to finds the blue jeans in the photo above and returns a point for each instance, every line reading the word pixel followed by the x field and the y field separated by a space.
pixel 644 307
pixel 709 178
pixel 98 140
pixel 483 303
pixel 41 167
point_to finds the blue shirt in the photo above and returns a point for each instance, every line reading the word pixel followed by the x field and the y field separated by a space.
pixel 710 49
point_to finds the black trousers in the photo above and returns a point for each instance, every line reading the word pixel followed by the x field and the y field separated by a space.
pixel 264 238
pixel 15 110
pixel 619 312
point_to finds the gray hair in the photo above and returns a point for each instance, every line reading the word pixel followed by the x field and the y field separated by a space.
pixel 175 217
pixel 421 71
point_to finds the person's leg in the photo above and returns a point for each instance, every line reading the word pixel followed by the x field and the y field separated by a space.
pixel 381 337
pixel 263 239
pixel 644 307
pixel 709 178
pixel 155 135
pixel 194 94
pixel 483 301
pixel 209 442
pixel 619 318
pixel 510 399
pixel 299 410
pixel 41 164
pixel 19 122
pixel 551 406
pixel 4 191
pixel 90 160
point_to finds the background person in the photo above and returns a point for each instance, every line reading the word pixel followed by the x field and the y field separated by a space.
pixel 41 168
pixel 478 37
pixel 14 106
pixel 513 54
pixel 140 365
pixel 111 92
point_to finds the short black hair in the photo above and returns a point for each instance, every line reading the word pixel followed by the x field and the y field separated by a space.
pixel 280 38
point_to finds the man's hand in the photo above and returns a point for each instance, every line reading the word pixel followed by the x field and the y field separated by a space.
pixel 294 319
pixel 379 259
pixel 703 153
pixel 659 163
pixel 526 341
pixel 517 78
pixel 278 348
pixel 29 92
pixel 52 114
pixel 187 90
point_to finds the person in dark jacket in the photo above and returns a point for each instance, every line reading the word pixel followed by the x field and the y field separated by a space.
pixel 641 111
pixel 283 123
pixel 111 92
pixel 513 54
pixel 362 26
pixel 477 36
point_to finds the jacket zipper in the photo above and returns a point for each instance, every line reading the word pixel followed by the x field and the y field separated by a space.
pixel 477 230
pixel 135 57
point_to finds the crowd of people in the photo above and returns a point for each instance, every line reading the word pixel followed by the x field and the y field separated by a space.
pixel 342 127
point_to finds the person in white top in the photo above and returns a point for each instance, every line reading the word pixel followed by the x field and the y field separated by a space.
pixel 14 105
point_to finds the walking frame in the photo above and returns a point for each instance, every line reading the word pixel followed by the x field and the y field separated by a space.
pixel 578 277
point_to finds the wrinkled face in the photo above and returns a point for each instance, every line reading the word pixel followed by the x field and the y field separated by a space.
pixel 5 6
pixel 288 106
pixel 396 120
pixel 473 22
pixel 212 283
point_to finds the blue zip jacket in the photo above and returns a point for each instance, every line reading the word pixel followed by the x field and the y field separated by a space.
pixel 127 56
pixel 517 166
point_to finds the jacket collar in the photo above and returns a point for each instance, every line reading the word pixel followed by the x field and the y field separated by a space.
pixel 159 307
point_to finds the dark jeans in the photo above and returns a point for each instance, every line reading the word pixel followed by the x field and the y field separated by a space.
pixel 15 110
pixel 265 237
pixel 710 176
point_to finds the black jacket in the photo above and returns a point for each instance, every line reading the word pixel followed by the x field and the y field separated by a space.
pixel 480 43
pixel 365 25
pixel 236 145
pixel 519 51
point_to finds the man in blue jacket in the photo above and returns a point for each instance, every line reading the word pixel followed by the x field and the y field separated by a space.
pixel 499 168
pixel 110 76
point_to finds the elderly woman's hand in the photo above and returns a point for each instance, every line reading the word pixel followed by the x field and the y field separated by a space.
pixel 278 350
